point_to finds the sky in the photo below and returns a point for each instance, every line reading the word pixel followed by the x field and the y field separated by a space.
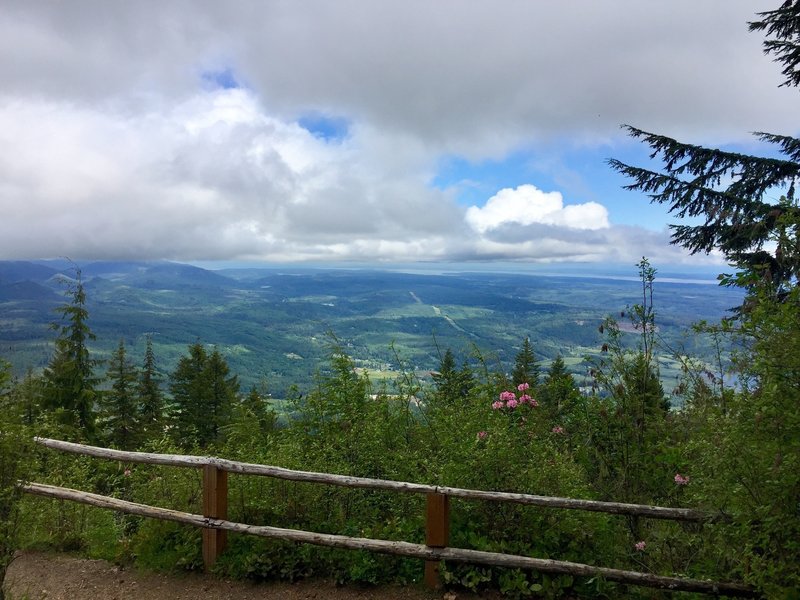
pixel 357 131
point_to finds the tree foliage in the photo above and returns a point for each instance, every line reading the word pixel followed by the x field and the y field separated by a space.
pixel 452 383
pixel 150 396
pixel 120 416
pixel 729 192
pixel 525 368
pixel 783 33
pixel 69 379
pixel 747 203
pixel 203 395
pixel 14 457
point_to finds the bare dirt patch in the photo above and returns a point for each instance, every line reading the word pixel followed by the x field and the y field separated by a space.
pixel 40 576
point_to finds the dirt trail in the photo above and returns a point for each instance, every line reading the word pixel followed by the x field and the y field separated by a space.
pixel 39 576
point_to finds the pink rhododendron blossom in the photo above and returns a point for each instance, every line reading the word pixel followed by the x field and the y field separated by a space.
pixel 558 429
pixel 513 403
pixel 533 402
pixel 680 479
pixel 522 387
pixel 482 435
pixel 524 399
pixel 640 546
pixel 506 396
pixel 497 405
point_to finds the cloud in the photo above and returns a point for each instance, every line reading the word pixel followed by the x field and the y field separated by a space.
pixel 526 204
pixel 464 78
pixel 214 176
pixel 313 130
pixel 217 177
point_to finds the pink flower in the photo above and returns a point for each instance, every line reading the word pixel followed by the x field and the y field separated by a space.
pixel 482 435
pixel 558 429
pixel 497 405
pixel 640 546
pixel 506 396
pixel 513 403
pixel 127 473
pixel 533 402
pixel 680 479
pixel 522 387
pixel 524 398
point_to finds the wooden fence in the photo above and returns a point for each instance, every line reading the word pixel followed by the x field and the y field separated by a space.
pixel 215 525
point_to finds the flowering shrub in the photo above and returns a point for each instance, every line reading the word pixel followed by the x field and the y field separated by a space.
pixel 509 399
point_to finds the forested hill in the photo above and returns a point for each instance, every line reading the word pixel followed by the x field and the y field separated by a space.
pixel 275 324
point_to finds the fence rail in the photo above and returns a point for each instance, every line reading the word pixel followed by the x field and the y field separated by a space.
pixel 215 524
pixel 177 460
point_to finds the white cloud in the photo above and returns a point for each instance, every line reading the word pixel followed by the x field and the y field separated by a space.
pixel 527 204
pixel 213 176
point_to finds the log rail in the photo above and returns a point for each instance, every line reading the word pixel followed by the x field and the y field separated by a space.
pixel 215 524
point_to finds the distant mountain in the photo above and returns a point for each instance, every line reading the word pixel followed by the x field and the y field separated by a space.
pixel 18 271
pixel 27 290
pixel 153 274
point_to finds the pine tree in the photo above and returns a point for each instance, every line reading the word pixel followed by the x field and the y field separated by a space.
pixel 151 399
pixel 120 414
pixel 69 380
pixel 525 368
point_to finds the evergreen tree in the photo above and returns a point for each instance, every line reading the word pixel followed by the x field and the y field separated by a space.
pixel 203 393
pixel 253 407
pixel 632 417
pixel 452 384
pixel 525 368
pixel 782 23
pixel 186 386
pixel 733 193
pixel 151 399
pixel 27 397
pixel 222 389
pixel 558 394
pixel 120 414
pixel 69 380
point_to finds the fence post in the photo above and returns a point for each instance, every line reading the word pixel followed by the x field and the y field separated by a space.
pixel 215 505
pixel 437 533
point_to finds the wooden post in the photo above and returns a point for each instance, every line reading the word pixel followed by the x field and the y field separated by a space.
pixel 437 533
pixel 215 505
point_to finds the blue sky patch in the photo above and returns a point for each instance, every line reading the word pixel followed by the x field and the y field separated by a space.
pixel 325 127
pixel 580 174
pixel 225 79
